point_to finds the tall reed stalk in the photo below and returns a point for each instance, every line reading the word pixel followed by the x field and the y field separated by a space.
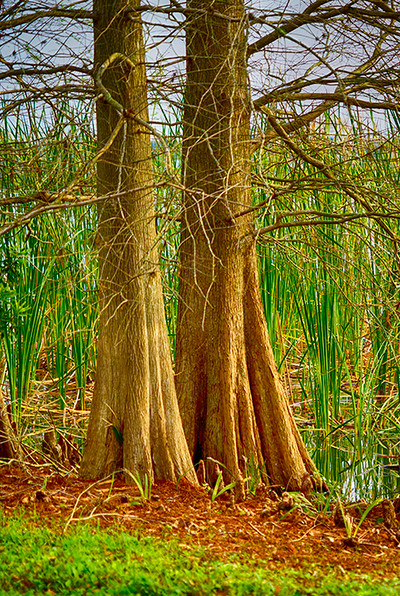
pixel 48 304
pixel 330 292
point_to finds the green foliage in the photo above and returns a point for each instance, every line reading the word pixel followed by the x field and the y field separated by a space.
pixel 219 488
pixel 253 473
pixel 168 213
pixel 330 293
pixel 39 560
pixel 330 296
pixel 144 485
pixel 22 320
pixel 48 273
pixel 118 434
pixel 365 513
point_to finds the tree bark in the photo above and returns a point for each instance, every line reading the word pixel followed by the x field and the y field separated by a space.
pixel 9 448
pixel 232 401
pixel 134 421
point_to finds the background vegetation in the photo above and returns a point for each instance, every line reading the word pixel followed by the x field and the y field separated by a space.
pixel 329 286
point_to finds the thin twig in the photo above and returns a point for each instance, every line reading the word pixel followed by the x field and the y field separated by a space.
pixel 87 489
pixel 257 530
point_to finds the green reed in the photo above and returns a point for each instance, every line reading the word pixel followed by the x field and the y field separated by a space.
pixel 330 292
pixel 342 336
pixel 49 305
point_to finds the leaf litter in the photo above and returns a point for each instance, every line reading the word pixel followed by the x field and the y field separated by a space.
pixel 262 528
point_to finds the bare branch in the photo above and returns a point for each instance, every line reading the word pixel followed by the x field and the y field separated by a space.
pixel 328 219
pixel 74 14
pixel 341 184
pixel 306 18
pixel 19 72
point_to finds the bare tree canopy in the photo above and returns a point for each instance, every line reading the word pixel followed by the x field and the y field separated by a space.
pixel 303 59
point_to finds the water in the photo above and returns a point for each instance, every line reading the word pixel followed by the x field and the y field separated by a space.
pixel 360 467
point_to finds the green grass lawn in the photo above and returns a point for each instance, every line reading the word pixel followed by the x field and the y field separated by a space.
pixel 87 560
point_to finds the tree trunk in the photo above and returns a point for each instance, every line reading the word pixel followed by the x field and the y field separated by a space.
pixel 9 447
pixel 231 398
pixel 134 421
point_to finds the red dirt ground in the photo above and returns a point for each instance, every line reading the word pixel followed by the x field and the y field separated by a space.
pixel 259 527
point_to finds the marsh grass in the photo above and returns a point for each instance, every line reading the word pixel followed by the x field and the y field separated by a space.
pixel 329 292
pixel 49 273
pixel 330 296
